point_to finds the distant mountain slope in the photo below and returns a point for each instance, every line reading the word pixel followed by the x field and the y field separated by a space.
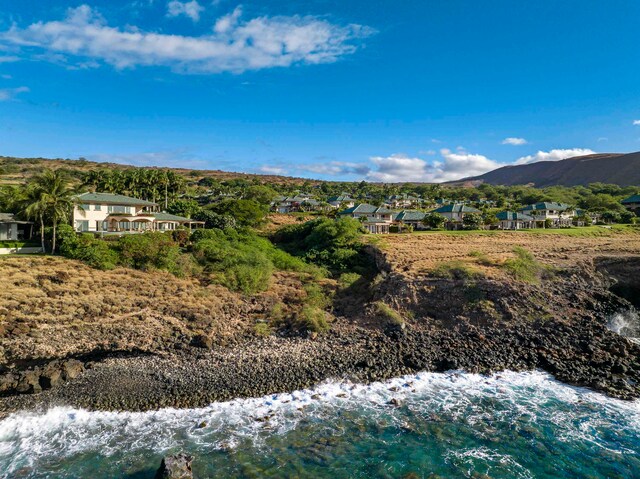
pixel 617 168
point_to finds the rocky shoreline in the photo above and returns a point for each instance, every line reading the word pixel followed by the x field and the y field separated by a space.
pixel 588 356
pixel 479 325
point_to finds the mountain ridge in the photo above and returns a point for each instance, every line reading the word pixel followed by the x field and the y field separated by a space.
pixel 622 169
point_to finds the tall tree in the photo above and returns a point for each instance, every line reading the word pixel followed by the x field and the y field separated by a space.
pixel 54 200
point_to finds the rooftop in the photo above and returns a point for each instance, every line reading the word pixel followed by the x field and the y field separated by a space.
pixel 544 205
pixel 456 208
pixel 512 215
pixel 112 199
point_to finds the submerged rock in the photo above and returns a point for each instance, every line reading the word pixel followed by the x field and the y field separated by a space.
pixel 177 466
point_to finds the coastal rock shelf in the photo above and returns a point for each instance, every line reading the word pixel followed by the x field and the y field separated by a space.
pixel 174 343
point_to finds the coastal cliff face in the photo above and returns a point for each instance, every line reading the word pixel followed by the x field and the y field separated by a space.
pixel 142 340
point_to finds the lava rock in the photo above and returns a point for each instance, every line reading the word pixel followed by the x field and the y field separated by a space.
pixel 177 466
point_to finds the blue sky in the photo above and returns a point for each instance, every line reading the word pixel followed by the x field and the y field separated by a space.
pixel 420 90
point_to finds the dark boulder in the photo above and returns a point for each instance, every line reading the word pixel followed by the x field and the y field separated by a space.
pixel 177 466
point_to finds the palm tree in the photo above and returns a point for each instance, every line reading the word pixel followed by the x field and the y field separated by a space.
pixel 31 204
pixel 48 197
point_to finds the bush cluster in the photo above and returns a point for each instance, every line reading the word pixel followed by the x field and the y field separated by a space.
pixel 334 245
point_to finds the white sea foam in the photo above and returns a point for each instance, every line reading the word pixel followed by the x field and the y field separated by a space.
pixel 626 324
pixel 479 401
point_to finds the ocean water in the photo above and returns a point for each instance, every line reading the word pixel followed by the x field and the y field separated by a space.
pixel 509 425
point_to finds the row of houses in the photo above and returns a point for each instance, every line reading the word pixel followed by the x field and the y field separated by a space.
pixel 379 219
pixel 112 213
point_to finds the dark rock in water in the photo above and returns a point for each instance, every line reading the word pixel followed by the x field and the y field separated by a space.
pixel 177 466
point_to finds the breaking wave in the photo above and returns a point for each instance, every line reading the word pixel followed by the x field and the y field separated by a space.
pixel 453 424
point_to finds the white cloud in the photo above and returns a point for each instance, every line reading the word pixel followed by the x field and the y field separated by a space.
pixel 9 59
pixel 636 122
pixel 453 166
pixel 235 46
pixel 190 9
pixel 553 155
pixel 272 170
pixel 514 141
pixel 10 93
pixel 336 168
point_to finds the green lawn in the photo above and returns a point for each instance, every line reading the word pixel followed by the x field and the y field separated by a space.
pixel 585 231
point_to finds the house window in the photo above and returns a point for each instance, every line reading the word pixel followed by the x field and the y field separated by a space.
pixel 97 208
pixel 82 225
pixel 118 209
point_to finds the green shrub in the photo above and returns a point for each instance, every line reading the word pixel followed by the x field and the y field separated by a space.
pixel 482 258
pixel 525 267
pixel 394 229
pixel 149 250
pixel 67 240
pixel 335 245
pixel 346 280
pixel 454 270
pixel 245 212
pixel 181 236
pixel 95 252
pixel 471 221
pixel 262 329
pixel 434 220
pixel 387 316
pixel 312 319
pixel 186 208
pixel 316 296
pixel 214 220
pixel 236 265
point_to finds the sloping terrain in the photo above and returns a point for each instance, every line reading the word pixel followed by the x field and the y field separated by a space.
pixel 615 168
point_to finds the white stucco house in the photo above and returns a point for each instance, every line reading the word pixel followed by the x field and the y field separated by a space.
pixel 111 213
pixel 376 219
pixel 456 211
pixel 559 214
pixel 511 220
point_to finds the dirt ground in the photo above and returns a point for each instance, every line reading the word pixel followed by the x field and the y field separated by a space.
pixel 418 253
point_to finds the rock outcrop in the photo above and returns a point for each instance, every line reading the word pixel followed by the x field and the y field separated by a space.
pixel 177 466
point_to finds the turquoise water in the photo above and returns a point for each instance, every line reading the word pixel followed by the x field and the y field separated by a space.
pixel 510 425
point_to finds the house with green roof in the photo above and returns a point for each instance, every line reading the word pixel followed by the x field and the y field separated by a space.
pixel 513 220
pixel 632 204
pixel 402 201
pixel 341 200
pixel 548 212
pixel 456 211
pixel 410 218
pixel 300 202
pixel 112 213
pixel 376 219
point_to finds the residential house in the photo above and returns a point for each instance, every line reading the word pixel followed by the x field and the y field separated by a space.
pixel 402 201
pixel 410 218
pixel 559 214
pixel 12 229
pixel 289 204
pixel 456 211
pixel 376 219
pixel 632 204
pixel 341 200
pixel 510 220
pixel 111 213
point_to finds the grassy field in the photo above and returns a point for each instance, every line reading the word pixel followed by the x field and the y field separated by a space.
pixel 584 231
pixel 423 252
